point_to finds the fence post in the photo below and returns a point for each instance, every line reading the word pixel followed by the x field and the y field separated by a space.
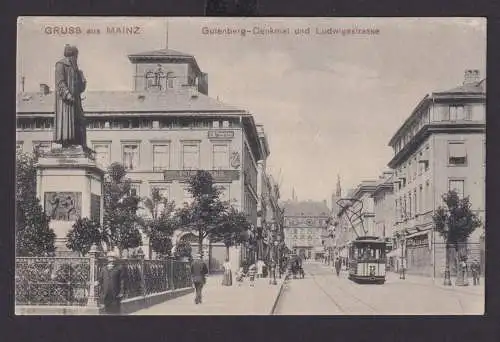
pixel 92 301
pixel 143 275
pixel 172 282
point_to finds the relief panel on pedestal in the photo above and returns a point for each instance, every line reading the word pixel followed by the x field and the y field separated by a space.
pixel 63 206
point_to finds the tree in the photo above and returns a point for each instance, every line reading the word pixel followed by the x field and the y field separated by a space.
pixel 120 210
pixel 232 229
pixel 85 233
pixel 34 237
pixel 204 214
pixel 455 223
pixel 160 224
pixel 183 250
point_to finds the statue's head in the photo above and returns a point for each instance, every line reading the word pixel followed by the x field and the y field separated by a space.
pixel 70 51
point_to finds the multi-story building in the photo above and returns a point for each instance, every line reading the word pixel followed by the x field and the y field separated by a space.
pixel 383 200
pixel 162 131
pixel 305 223
pixel 440 147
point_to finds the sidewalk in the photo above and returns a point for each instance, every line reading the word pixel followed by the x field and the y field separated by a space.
pixel 222 300
pixel 438 282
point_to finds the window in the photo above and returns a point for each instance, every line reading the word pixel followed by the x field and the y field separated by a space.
pixel 164 191
pixel 170 80
pixel 458 186
pixel 225 124
pixel 456 113
pixel 135 189
pixel 457 154
pixel 131 156
pixel 224 195
pixel 484 152
pixel 415 208
pixel 102 154
pixel 215 124
pixel 468 112
pixel 161 157
pixel 190 156
pixel 187 197
pixel 220 156
pixel 420 200
pixel 19 146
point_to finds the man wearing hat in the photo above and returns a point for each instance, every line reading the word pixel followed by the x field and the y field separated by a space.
pixel 112 279
pixel 199 271
pixel 69 124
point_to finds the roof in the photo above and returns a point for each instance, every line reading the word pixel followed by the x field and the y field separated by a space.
pixel 469 88
pixel 472 89
pixel 128 101
pixel 160 53
pixel 164 55
pixel 305 208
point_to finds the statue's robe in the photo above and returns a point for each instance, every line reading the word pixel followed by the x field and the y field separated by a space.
pixel 70 128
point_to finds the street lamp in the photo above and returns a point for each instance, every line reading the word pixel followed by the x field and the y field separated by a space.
pixel 274 263
pixel 447 276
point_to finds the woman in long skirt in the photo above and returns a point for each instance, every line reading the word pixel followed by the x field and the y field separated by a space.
pixel 228 276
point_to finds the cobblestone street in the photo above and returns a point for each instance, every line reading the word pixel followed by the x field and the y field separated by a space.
pixel 323 293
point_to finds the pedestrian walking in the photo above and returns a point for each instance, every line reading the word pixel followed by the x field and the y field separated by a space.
pixel 260 269
pixel 199 271
pixel 112 280
pixel 476 271
pixel 239 276
pixel 227 280
pixel 338 264
pixel 252 270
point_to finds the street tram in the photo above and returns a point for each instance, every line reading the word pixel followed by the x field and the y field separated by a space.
pixel 367 260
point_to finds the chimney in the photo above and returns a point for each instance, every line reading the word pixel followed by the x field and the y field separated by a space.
pixel 44 89
pixel 471 76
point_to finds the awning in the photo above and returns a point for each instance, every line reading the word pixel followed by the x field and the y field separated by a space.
pixel 394 253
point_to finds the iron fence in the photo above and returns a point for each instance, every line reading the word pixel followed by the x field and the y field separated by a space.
pixel 68 280
pixel 52 281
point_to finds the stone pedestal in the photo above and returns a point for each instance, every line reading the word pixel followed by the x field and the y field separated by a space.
pixel 69 186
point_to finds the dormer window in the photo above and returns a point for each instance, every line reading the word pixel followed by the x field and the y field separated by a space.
pixel 170 80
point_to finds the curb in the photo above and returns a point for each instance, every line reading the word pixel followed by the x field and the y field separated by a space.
pixel 280 291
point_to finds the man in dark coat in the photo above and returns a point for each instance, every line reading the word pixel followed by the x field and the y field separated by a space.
pixel 69 124
pixel 199 271
pixel 112 279
pixel 338 264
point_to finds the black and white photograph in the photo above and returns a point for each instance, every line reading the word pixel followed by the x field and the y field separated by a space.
pixel 250 166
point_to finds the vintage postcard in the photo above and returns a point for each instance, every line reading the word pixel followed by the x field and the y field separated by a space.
pixel 243 166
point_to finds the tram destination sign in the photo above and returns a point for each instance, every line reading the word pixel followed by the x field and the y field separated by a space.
pixel 218 175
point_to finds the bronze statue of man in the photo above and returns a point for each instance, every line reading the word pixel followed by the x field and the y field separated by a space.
pixel 70 128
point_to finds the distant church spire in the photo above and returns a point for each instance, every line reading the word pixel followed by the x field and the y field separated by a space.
pixel 294 195
pixel 339 189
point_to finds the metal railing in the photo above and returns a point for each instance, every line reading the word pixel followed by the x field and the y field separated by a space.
pixel 52 281
pixel 69 281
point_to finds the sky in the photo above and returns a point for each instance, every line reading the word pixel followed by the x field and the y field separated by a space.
pixel 329 102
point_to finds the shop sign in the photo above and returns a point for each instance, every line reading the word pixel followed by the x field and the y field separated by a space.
pixel 220 134
pixel 219 176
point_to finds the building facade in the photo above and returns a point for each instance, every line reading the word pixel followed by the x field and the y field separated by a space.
pixel 305 224
pixel 162 131
pixel 440 147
